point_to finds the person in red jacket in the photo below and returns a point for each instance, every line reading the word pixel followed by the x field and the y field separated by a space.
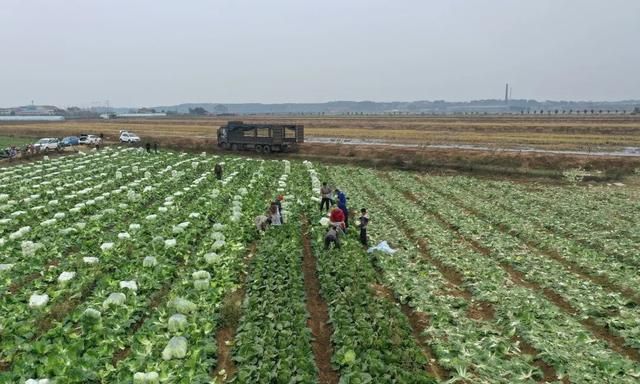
pixel 337 217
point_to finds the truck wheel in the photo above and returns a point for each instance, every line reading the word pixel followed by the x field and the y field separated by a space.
pixel 258 148
pixel 225 145
pixel 234 147
pixel 266 149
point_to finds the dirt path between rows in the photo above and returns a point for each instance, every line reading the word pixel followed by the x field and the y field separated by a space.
pixel 418 321
pixel 225 367
pixel 319 312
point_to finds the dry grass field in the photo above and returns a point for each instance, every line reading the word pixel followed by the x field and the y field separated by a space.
pixel 583 133
pixel 545 132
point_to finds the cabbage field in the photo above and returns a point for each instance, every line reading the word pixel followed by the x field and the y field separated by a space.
pixel 124 267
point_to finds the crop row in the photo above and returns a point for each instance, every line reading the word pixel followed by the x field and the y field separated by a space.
pixel 127 254
pixel 273 342
pixel 584 212
pixel 372 338
pixel 71 189
pixel 56 253
pixel 472 347
pixel 587 299
pixel 562 340
pixel 572 226
pixel 50 244
pixel 193 308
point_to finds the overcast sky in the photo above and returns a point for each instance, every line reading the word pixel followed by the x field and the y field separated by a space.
pixel 160 52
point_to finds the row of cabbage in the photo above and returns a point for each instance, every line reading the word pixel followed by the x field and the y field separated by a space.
pixel 273 342
pixel 34 200
pixel 58 261
pixel 609 309
pixel 471 349
pixel 100 272
pixel 573 221
pixel 372 338
pixel 187 322
pixel 561 340
pixel 133 267
pixel 68 220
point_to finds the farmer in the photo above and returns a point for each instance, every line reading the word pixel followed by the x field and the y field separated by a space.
pixel 148 147
pixel 218 171
pixel 274 214
pixel 325 195
pixel 278 204
pixel 155 147
pixel 262 222
pixel 364 222
pixel 332 236
pixel 342 204
pixel 13 152
pixel 336 218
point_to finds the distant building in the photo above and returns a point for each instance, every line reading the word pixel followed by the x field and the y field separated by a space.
pixel 31 118
pixel 131 115
pixel 38 110
pixel 488 109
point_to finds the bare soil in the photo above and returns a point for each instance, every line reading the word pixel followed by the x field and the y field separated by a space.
pixel 318 310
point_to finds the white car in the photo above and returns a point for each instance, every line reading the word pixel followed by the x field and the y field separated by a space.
pixel 47 144
pixel 128 137
pixel 93 140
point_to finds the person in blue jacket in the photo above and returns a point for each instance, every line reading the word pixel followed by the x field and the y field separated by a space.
pixel 342 204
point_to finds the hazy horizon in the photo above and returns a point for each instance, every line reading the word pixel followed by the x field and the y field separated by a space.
pixel 154 53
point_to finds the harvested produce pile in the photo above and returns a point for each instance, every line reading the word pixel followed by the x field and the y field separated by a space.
pixel 123 267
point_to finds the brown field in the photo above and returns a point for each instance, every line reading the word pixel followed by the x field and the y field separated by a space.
pixel 546 132
pixel 586 133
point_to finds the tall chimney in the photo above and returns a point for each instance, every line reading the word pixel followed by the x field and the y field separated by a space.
pixel 506 94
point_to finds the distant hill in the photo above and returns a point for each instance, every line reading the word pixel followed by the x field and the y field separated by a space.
pixel 343 107
pixel 490 106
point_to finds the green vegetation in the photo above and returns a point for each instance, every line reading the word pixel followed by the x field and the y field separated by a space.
pixel 133 272
pixel 7 141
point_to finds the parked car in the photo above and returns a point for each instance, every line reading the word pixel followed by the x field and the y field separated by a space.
pixel 94 139
pixel 128 137
pixel 82 138
pixel 70 141
pixel 47 144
